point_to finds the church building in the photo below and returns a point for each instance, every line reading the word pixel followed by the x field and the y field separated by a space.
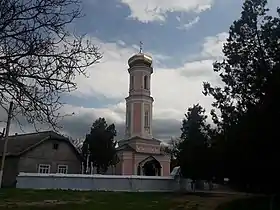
pixel 139 152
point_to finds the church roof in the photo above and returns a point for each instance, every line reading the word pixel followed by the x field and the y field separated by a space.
pixel 138 137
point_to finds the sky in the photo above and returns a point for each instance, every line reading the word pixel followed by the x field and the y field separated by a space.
pixel 184 37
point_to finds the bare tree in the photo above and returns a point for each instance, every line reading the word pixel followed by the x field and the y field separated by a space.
pixel 173 147
pixel 78 143
pixel 39 57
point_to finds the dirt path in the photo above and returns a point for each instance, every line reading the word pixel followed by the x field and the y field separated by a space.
pixel 202 202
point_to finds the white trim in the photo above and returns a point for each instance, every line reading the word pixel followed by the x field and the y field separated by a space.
pixel 62 167
pixel 91 168
pixel 151 119
pixel 149 70
pixel 22 174
pixel 142 118
pixel 44 168
pixel 128 119
pixel 131 119
pixel 149 83
pixel 82 168
pixel 139 98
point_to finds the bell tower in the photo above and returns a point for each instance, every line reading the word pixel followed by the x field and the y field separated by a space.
pixel 139 103
pixel 139 151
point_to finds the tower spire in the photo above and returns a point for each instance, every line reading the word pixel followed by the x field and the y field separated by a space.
pixel 141 47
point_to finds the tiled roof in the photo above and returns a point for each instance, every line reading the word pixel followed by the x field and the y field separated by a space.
pixel 19 143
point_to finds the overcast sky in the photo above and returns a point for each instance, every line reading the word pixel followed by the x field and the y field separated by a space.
pixel 184 37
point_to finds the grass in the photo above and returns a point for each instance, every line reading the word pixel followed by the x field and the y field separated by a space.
pixel 253 203
pixel 58 199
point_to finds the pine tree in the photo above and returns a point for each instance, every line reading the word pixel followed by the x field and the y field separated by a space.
pixel 251 52
pixel 100 145
pixel 194 143
pixel 248 100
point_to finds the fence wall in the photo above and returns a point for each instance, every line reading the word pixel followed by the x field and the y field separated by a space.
pixel 101 182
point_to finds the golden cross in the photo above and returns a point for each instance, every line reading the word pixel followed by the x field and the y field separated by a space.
pixel 141 47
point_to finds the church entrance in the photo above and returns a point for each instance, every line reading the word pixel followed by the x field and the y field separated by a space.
pixel 151 168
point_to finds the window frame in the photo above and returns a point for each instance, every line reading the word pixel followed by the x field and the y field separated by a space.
pixel 62 165
pixel 43 168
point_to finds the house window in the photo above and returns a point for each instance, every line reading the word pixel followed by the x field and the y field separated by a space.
pixel 146 82
pixel 44 169
pixel 146 120
pixel 62 169
pixel 55 146
pixel 131 82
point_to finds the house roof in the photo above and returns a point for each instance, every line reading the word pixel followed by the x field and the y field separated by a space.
pixel 19 144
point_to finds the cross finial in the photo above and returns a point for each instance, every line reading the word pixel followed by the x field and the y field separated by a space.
pixel 141 47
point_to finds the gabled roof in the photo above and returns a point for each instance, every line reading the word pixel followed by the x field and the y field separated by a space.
pixel 19 144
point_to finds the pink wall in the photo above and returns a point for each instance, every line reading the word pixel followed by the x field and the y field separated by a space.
pixel 127 167
pixel 136 117
pixel 166 168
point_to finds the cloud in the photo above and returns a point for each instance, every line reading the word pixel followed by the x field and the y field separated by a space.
pixel 211 48
pixel 188 25
pixel 213 45
pixel 174 90
pixel 121 43
pixel 157 10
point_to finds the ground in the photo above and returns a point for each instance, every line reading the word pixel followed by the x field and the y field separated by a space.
pixel 252 203
pixel 56 199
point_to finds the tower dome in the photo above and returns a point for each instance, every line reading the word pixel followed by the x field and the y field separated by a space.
pixel 140 58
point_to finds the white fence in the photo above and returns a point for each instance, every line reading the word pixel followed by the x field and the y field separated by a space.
pixel 101 182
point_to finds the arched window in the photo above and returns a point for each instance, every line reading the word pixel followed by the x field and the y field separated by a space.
pixel 131 82
pixel 146 82
pixel 146 120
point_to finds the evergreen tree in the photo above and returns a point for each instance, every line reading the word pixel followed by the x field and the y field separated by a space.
pixel 251 53
pixel 100 145
pixel 248 100
pixel 194 143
